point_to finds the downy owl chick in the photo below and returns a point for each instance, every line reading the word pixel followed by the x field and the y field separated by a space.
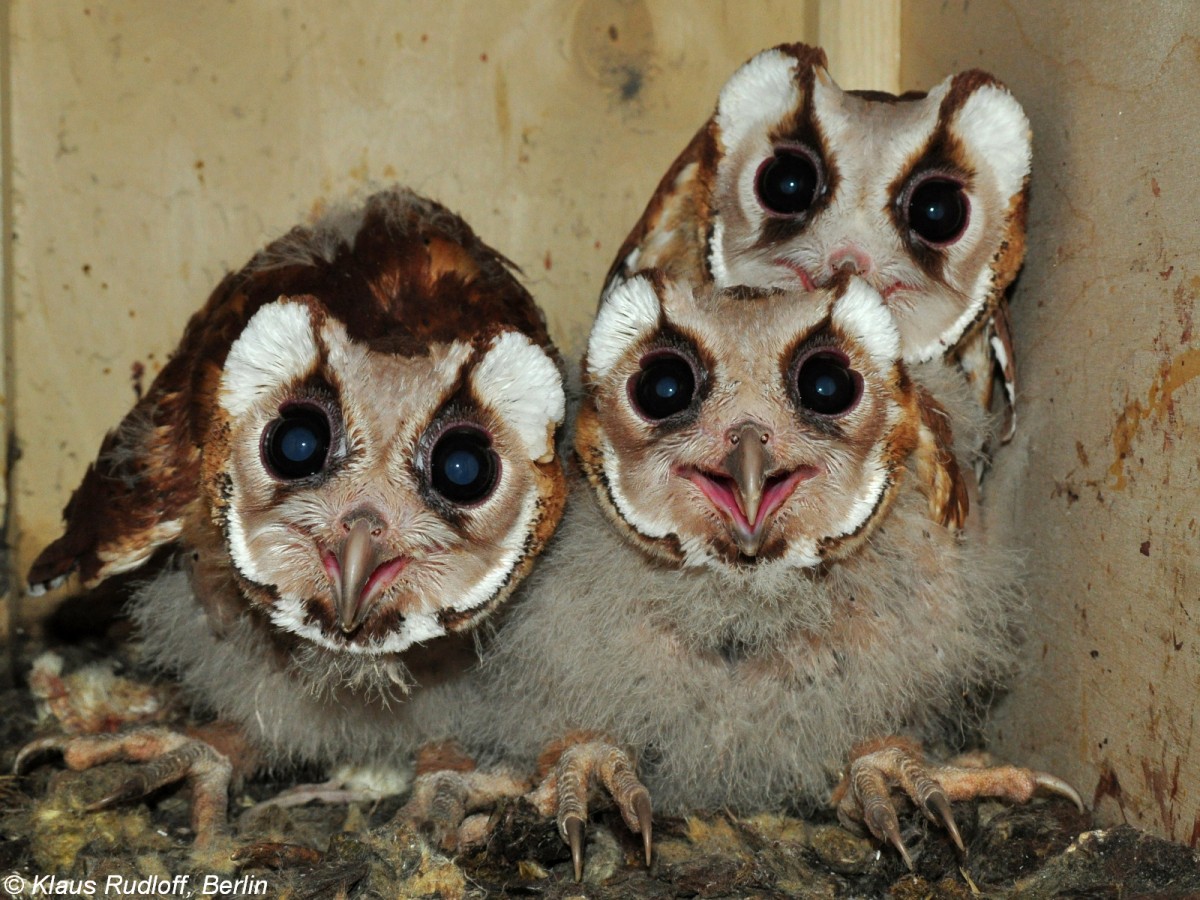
pixel 348 461
pixel 793 179
pixel 768 570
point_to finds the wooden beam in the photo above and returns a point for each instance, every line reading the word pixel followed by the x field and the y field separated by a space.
pixel 862 39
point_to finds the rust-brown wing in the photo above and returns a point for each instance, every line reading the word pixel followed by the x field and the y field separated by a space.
pixel 672 232
pixel 937 467
pixel 134 497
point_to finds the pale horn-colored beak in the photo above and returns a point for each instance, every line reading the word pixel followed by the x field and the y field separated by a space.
pixel 357 559
pixel 747 464
pixel 360 572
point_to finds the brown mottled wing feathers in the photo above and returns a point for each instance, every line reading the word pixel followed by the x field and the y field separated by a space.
pixel 133 497
pixel 937 467
pixel 673 220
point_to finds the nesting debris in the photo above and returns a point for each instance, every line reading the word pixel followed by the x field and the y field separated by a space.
pixel 318 850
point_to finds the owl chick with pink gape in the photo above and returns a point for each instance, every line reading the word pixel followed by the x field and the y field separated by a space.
pixel 772 588
pixel 348 462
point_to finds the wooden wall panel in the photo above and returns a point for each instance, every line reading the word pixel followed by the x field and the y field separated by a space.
pixel 1101 484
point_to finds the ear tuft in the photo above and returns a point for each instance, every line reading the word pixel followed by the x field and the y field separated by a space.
pixel 762 91
pixel 992 123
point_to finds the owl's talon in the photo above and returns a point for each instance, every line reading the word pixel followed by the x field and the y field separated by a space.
pixel 573 831
pixel 447 788
pixel 437 805
pixel 893 838
pixel 645 822
pixel 126 791
pixel 166 757
pixel 866 794
pixel 36 748
pixel 579 767
pixel 1059 787
pixel 937 802
pixel 881 820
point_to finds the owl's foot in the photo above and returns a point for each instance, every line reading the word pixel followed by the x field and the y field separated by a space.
pixel 447 789
pixel 168 757
pixel 578 769
pixel 865 794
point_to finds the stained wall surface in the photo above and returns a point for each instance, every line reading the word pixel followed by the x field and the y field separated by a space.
pixel 157 145
pixel 1102 483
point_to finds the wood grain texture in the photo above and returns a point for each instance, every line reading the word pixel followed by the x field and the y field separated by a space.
pixel 862 39
pixel 1100 483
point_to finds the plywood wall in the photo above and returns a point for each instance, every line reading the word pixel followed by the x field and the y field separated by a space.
pixel 157 145
pixel 1102 484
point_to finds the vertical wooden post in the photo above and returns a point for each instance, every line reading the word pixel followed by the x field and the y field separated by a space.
pixel 862 40
pixel 9 585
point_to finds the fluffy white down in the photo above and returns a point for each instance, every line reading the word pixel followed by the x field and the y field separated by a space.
pixel 301 715
pixel 705 676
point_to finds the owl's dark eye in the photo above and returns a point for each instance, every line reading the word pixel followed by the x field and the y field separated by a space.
pixel 296 445
pixel 463 467
pixel 826 384
pixel 787 183
pixel 937 211
pixel 664 386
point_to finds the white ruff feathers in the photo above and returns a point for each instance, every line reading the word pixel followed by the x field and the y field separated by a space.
pixel 861 313
pixel 628 310
pixel 276 347
pixel 523 385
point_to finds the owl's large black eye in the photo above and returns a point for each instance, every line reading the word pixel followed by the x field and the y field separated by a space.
pixel 787 183
pixel 664 386
pixel 937 210
pixel 296 445
pixel 826 384
pixel 463 467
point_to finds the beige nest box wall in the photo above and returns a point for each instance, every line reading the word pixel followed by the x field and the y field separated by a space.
pixel 150 147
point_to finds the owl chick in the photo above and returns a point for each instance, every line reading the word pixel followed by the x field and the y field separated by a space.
pixel 348 461
pixel 787 578
pixel 793 179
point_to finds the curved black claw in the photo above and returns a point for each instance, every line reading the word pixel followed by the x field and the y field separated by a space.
pixel 641 804
pixel 36 748
pixel 936 802
pixel 573 830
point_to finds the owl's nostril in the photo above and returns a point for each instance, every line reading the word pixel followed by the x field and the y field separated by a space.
pixel 850 258
pixel 748 432
pixel 373 518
